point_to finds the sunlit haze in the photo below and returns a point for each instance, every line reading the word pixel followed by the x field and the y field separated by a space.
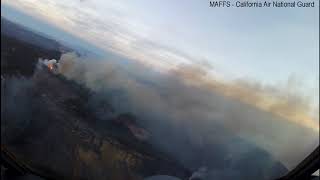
pixel 267 58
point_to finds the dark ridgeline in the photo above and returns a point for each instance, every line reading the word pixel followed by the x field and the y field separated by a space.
pixel 21 48
pixel 52 130
pixel 60 135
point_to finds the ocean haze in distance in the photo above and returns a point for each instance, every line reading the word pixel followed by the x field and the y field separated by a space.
pixel 246 91
pixel 162 58
pixel 47 30
pixel 237 42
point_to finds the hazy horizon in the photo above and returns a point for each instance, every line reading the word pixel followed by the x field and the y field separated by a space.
pixel 267 59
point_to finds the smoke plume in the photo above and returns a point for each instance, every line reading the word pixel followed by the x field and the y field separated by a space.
pixel 188 113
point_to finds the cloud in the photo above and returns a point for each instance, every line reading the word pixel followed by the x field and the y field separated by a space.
pixel 199 118
pixel 115 32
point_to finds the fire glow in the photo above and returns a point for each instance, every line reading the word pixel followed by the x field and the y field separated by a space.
pixel 50 66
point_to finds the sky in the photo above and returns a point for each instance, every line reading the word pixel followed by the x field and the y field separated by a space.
pixel 266 57
pixel 271 46
pixel 266 44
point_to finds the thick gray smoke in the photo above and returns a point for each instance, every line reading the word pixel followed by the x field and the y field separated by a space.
pixel 199 126
pixel 212 134
pixel 16 105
